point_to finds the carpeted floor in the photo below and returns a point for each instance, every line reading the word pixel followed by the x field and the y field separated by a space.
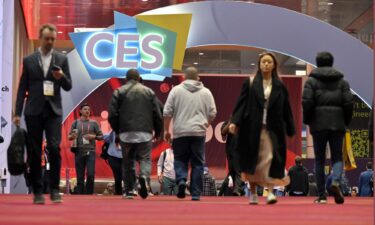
pixel 82 210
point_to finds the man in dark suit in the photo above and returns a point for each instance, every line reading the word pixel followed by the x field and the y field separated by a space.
pixel 44 73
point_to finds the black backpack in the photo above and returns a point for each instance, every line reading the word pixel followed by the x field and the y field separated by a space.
pixel 104 155
pixel 16 152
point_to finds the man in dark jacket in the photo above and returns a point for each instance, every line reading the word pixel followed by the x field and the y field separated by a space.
pixel 299 179
pixel 233 159
pixel 134 114
pixel 364 188
pixel 327 109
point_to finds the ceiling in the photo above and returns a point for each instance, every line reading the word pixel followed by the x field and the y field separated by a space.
pixel 68 14
pixel 353 16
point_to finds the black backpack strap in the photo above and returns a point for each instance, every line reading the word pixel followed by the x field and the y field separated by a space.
pixel 164 156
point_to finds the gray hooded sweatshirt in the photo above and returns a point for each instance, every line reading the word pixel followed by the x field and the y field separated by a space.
pixel 192 108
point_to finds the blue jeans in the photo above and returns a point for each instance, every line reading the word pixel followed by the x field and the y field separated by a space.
pixel 132 152
pixel 191 149
pixel 169 186
pixel 85 160
pixel 335 140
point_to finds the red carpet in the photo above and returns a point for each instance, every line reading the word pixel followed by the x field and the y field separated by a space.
pixel 82 210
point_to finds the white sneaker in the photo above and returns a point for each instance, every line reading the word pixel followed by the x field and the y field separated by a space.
pixel 253 200
pixel 271 198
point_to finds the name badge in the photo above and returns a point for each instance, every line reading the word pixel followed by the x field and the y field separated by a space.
pixel 48 88
pixel 85 141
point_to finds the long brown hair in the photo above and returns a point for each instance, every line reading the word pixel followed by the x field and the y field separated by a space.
pixel 274 70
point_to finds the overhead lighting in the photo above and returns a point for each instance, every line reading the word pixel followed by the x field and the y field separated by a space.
pixel 64 52
pixel 329 3
pixel 59 16
pixel 253 64
pixel 195 63
pixel 85 29
pixel 144 0
pixel 60 32
pixel 301 72
pixel 201 53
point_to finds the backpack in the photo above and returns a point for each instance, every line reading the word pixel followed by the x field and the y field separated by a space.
pixel 104 155
pixel 16 152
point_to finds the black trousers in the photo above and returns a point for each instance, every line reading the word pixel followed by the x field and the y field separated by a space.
pixel 116 166
pixel 50 123
pixel 233 164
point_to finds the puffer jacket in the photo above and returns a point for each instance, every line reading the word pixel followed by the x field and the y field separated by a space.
pixel 327 101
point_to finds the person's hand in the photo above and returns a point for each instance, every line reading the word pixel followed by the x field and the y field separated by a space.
pixel 160 178
pixel 89 136
pixel 233 129
pixel 17 121
pixel 74 135
pixel 156 140
pixel 167 136
pixel 57 74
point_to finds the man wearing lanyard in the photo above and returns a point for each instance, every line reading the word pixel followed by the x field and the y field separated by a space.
pixel 44 73
pixel 85 131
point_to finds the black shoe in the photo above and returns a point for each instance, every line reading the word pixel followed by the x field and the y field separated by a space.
pixel 339 197
pixel 38 199
pixel 321 200
pixel 181 190
pixel 56 198
pixel 144 190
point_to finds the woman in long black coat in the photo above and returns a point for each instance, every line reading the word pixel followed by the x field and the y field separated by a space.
pixel 263 118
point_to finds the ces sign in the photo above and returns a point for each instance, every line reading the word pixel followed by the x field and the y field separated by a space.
pixel 125 46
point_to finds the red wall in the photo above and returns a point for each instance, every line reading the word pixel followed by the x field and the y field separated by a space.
pixel 225 90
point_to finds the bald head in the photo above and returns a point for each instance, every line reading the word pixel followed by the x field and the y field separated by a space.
pixel 191 73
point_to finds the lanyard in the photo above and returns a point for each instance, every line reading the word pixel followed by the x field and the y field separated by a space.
pixel 88 127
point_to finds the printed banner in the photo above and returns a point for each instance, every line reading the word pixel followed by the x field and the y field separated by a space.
pixel 359 129
pixel 152 44
pixel 6 78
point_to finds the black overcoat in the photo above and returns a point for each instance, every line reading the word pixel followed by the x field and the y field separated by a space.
pixel 248 114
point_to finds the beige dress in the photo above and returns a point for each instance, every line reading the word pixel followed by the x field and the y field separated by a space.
pixel 261 175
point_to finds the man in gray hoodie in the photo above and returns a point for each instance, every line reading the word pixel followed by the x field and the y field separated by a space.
pixel 192 108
